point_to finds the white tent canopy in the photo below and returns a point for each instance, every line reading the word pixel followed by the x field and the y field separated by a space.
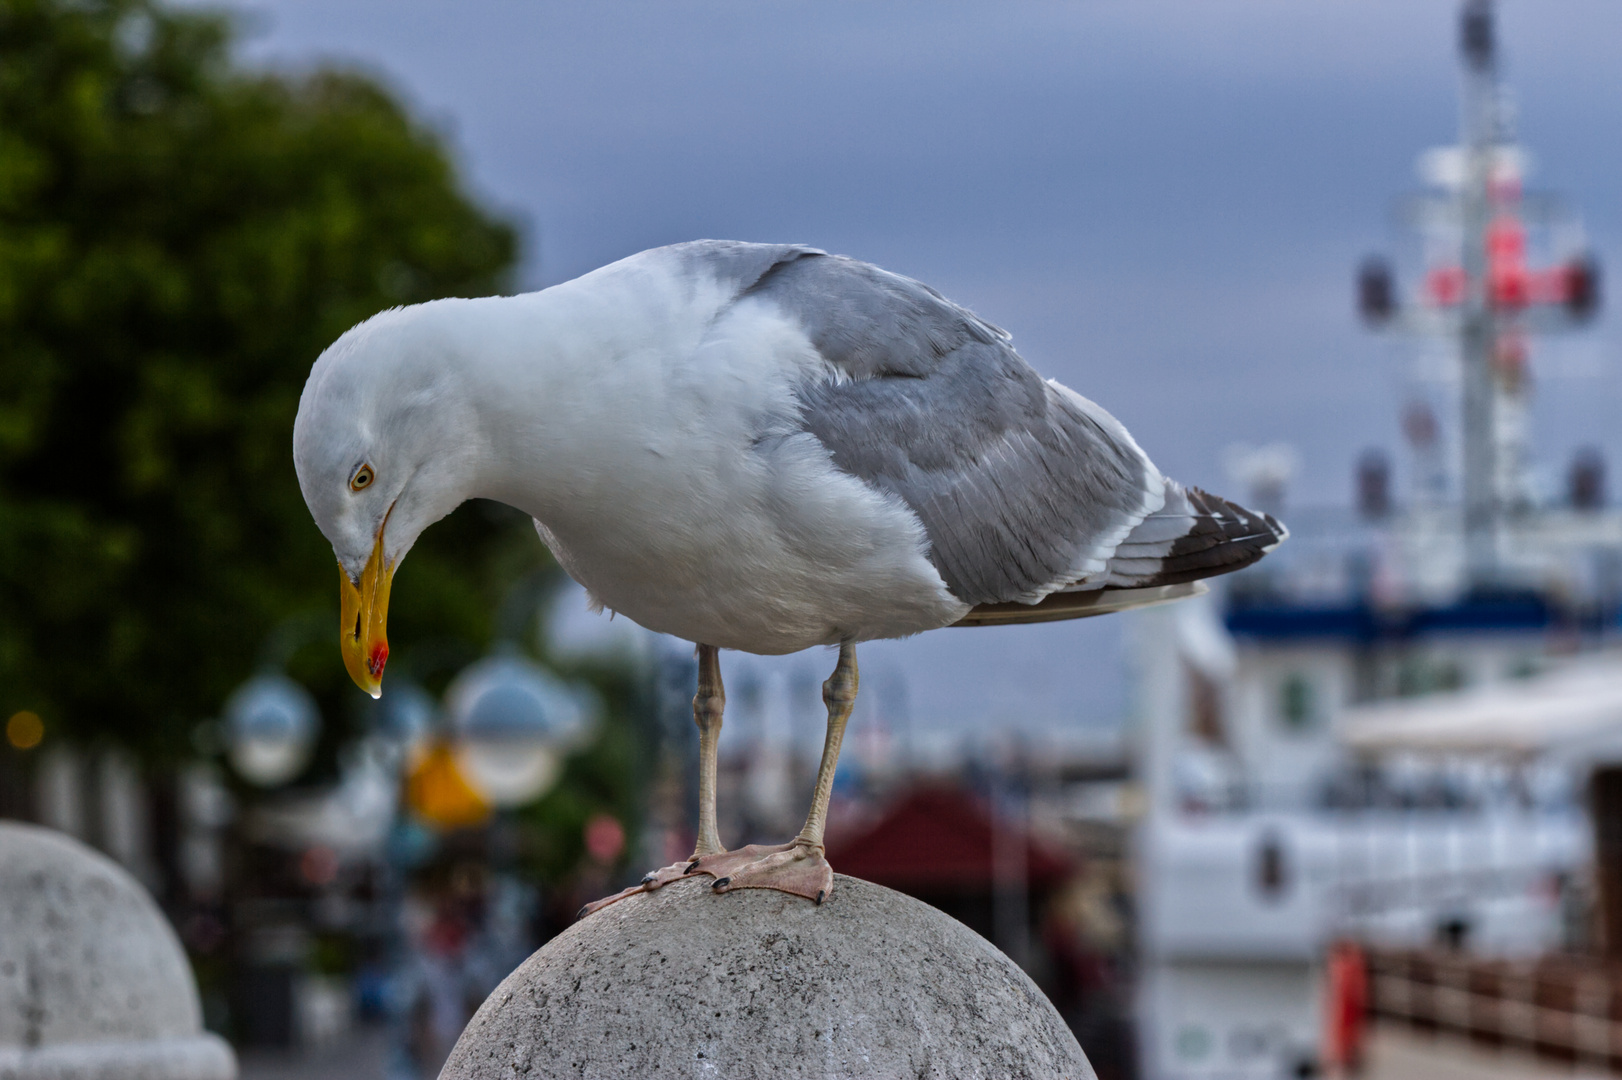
pixel 1573 712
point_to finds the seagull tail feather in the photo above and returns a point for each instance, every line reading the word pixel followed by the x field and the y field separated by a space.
pixel 1195 535
pixel 1078 605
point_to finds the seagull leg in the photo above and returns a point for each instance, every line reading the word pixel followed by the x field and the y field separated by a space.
pixel 708 705
pixel 799 866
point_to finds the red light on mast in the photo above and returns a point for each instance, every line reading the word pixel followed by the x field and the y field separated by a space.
pixel 1507 284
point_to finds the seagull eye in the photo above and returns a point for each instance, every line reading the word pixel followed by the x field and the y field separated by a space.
pixel 361 479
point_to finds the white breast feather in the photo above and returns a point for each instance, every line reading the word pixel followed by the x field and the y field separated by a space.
pixel 679 490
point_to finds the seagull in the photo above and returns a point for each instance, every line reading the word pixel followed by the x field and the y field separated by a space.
pixel 759 447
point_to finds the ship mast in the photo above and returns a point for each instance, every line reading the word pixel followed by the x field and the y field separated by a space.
pixel 1481 294
pixel 1488 475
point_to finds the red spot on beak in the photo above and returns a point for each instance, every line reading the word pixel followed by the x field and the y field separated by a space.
pixel 379 657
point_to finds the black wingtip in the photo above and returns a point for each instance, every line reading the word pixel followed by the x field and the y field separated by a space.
pixel 1225 537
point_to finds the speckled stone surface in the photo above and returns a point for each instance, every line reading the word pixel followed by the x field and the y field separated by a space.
pixel 93 982
pixel 686 983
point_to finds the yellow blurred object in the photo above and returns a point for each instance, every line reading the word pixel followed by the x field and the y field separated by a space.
pixel 24 730
pixel 440 795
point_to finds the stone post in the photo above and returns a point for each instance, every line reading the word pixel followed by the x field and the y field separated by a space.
pixel 93 982
pixel 685 982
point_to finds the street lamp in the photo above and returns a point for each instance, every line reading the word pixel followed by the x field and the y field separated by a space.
pixel 270 723
pixel 513 725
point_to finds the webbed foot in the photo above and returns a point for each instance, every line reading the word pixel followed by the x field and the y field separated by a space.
pixel 797 867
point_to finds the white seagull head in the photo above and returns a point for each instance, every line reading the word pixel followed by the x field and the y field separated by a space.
pixel 385 445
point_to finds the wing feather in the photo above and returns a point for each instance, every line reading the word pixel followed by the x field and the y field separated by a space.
pixel 1024 487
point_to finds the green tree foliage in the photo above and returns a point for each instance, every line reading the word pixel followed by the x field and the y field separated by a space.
pixel 179 239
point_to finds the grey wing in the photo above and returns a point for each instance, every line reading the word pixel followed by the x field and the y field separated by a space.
pixel 1023 487
pixel 1193 536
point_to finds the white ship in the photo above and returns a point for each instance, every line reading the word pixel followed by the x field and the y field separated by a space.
pixel 1385 733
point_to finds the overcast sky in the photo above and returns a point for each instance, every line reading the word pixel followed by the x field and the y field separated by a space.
pixel 1163 200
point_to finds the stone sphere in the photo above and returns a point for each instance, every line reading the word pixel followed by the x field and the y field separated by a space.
pixel 754 983
pixel 93 982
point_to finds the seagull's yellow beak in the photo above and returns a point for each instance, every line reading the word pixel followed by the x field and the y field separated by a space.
pixel 363 621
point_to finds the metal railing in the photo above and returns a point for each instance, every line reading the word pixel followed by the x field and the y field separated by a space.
pixel 1564 1006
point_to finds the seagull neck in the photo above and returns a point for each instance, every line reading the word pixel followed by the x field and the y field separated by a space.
pixel 546 370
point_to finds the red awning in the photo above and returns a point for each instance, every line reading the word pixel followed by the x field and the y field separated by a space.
pixel 939 837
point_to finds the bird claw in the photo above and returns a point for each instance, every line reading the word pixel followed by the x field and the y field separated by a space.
pixel 654 879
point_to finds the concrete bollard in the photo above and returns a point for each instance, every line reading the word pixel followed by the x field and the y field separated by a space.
pixel 753 983
pixel 93 982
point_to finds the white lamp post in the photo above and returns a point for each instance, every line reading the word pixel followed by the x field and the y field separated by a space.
pixel 271 723
pixel 513 724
